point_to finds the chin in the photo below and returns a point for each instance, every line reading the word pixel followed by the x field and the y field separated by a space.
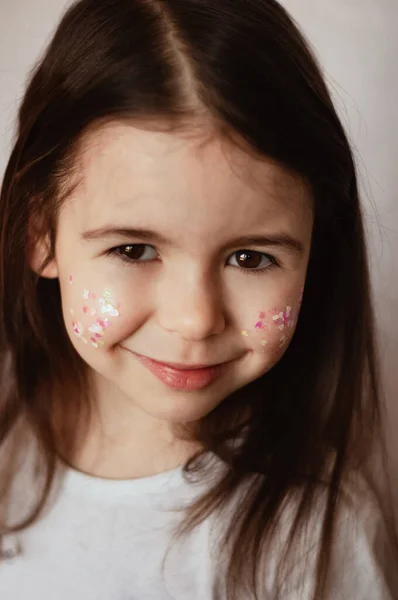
pixel 176 406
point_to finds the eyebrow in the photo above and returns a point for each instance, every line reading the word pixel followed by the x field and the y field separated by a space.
pixel 281 240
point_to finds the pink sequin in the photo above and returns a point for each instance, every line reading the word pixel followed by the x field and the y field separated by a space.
pixel 95 326
pixel 78 328
pixel 283 319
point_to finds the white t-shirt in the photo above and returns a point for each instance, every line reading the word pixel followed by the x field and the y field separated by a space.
pixel 105 540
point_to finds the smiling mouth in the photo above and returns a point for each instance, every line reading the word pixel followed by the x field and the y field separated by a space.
pixel 185 367
pixel 184 377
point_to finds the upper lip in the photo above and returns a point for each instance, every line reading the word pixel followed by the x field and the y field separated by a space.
pixel 183 367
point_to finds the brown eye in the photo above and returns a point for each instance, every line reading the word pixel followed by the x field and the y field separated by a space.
pixel 135 253
pixel 132 252
pixel 252 260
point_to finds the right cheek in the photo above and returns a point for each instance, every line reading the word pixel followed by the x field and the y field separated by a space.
pixel 99 332
pixel 88 328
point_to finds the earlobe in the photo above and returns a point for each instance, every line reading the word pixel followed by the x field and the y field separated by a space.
pixel 40 262
pixel 50 271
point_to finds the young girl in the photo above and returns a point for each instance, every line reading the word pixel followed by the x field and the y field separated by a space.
pixel 190 389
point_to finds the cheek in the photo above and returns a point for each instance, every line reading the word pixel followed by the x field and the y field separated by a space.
pixel 92 316
pixel 272 328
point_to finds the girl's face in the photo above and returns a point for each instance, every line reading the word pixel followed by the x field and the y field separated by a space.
pixel 182 251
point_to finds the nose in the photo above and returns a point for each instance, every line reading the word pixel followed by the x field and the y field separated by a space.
pixel 191 306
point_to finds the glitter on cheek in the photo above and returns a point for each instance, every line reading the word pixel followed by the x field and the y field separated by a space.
pixel 282 341
pixel 78 328
pixel 283 318
pixel 108 308
pixel 98 327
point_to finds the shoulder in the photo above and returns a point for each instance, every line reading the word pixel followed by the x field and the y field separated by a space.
pixel 357 570
pixel 356 566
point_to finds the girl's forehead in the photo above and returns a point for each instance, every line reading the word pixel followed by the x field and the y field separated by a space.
pixel 121 149
pixel 129 172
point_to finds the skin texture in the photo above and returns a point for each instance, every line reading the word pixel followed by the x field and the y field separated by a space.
pixel 186 301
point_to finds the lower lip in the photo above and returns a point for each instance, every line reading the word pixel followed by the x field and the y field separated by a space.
pixel 177 379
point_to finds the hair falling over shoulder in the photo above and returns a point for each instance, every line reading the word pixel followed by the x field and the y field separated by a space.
pixel 317 415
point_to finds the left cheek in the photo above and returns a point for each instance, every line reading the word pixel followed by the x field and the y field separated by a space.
pixel 272 329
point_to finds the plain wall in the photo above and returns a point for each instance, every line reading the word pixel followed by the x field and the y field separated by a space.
pixel 356 42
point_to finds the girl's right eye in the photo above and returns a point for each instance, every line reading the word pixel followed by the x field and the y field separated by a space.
pixel 134 253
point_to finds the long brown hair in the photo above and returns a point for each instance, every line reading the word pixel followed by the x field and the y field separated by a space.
pixel 245 66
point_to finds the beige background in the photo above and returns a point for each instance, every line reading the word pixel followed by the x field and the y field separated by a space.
pixel 356 41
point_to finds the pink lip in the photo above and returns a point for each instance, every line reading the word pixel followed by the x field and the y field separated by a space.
pixel 185 377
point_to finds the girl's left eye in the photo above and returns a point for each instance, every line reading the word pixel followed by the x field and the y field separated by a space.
pixel 254 262
pixel 249 261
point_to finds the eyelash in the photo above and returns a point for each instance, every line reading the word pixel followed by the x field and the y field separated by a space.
pixel 117 254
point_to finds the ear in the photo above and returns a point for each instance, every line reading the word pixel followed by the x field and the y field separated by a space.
pixel 39 261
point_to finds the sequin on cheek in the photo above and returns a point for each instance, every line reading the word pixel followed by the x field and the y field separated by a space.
pixel 283 319
pixel 283 341
pixel 108 308
pixel 70 279
pixel 78 329
pixel 96 329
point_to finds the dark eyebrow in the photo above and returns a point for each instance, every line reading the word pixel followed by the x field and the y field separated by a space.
pixel 282 240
